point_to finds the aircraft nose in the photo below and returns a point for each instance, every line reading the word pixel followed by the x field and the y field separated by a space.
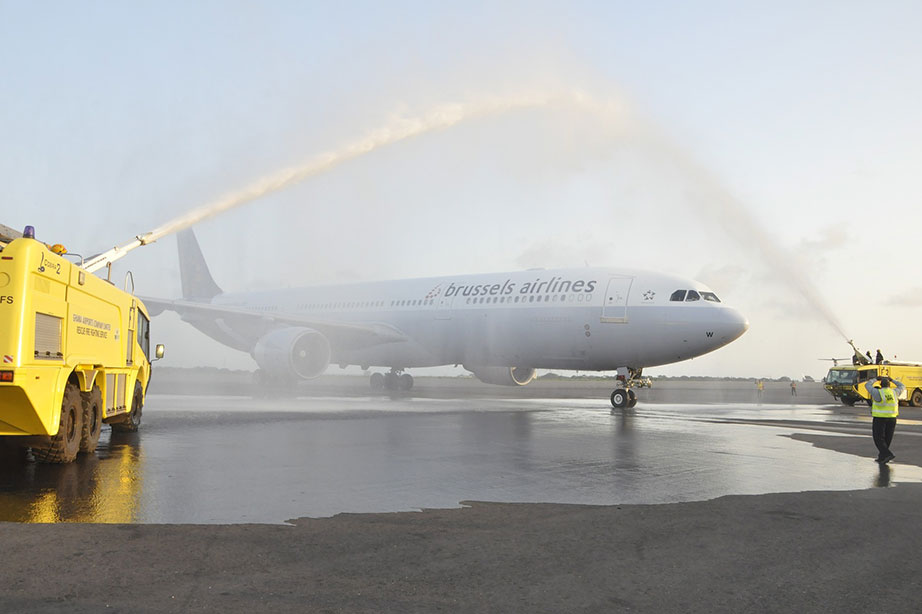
pixel 729 325
pixel 736 324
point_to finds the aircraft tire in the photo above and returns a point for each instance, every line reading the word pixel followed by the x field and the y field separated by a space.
pixel 406 382
pixel 92 420
pixel 377 381
pixel 63 447
pixel 631 398
pixel 619 398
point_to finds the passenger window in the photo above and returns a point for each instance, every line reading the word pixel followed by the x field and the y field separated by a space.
pixel 678 295
pixel 692 296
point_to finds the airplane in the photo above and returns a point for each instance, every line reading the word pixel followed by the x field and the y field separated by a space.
pixel 500 326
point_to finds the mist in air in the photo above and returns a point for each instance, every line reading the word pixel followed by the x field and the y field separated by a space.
pixel 610 116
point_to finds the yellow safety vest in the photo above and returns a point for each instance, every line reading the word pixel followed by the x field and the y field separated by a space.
pixel 888 406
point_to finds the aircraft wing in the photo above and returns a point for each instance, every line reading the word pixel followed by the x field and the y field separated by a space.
pixel 345 335
pixel 7 234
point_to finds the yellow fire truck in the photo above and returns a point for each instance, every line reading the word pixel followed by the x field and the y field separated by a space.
pixel 74 351
pixel 846 383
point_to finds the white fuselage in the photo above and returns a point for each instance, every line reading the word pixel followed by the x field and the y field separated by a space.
pixel 585 318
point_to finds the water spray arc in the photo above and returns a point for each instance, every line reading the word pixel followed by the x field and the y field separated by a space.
pixel 440 118
pixel 718 203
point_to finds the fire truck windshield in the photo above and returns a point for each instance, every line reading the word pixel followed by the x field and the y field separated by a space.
pixel 846 377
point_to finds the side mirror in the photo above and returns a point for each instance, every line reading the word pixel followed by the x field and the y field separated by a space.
pixel 158 352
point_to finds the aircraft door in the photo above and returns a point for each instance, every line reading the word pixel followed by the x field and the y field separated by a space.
pixel 443 309
pixel 614 308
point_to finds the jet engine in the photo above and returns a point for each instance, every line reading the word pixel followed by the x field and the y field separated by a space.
pixel 156 310
pixel 503 376
pixel 294 352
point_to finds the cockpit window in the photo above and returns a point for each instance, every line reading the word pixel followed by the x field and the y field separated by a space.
pixel 678 295
pixel 692 296
pixel 710 296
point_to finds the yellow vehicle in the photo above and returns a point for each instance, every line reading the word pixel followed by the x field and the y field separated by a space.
pixel 846 383
pixel 74 351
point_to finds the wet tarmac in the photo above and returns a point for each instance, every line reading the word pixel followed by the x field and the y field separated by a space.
pixel 224 460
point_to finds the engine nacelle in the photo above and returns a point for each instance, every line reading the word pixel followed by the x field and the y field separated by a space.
pixel 294 352
pixel 154 311
pixel 503 376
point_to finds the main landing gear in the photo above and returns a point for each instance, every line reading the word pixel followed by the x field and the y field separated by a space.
pixel 394 380
pixel 628 378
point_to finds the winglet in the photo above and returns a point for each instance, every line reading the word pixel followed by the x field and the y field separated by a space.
pixel 197 282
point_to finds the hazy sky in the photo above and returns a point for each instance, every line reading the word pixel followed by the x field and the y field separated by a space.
pixel 748 139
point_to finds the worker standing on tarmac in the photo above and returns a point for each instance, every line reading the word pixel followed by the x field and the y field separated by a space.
pixel 885 407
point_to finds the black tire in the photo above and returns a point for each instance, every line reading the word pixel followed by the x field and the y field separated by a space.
pixel 132 421
pixel 92 420
pixel 376 381
pixel 916 399
pixel 619 398
pixel 631 398
pixel 848 401
pixel 405 382
pixel 63 446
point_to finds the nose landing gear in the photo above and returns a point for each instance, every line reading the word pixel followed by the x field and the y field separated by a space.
pixel 629 378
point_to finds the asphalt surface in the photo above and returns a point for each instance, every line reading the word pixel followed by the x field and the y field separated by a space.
pixel 543 505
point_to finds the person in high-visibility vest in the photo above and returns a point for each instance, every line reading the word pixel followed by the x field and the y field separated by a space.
pixel 885 407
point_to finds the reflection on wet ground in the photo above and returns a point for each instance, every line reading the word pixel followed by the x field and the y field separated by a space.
pixel 97 488
pixel 238 460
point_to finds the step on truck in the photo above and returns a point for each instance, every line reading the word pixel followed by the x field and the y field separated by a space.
pixel 74 351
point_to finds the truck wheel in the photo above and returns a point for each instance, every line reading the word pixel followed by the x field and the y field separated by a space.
pixel 848 401
pixel 916 398
pixel 133 419
pixel 92 420
pixel 63 447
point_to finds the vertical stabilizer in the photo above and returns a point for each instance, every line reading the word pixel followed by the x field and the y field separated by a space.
pixel 197 282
